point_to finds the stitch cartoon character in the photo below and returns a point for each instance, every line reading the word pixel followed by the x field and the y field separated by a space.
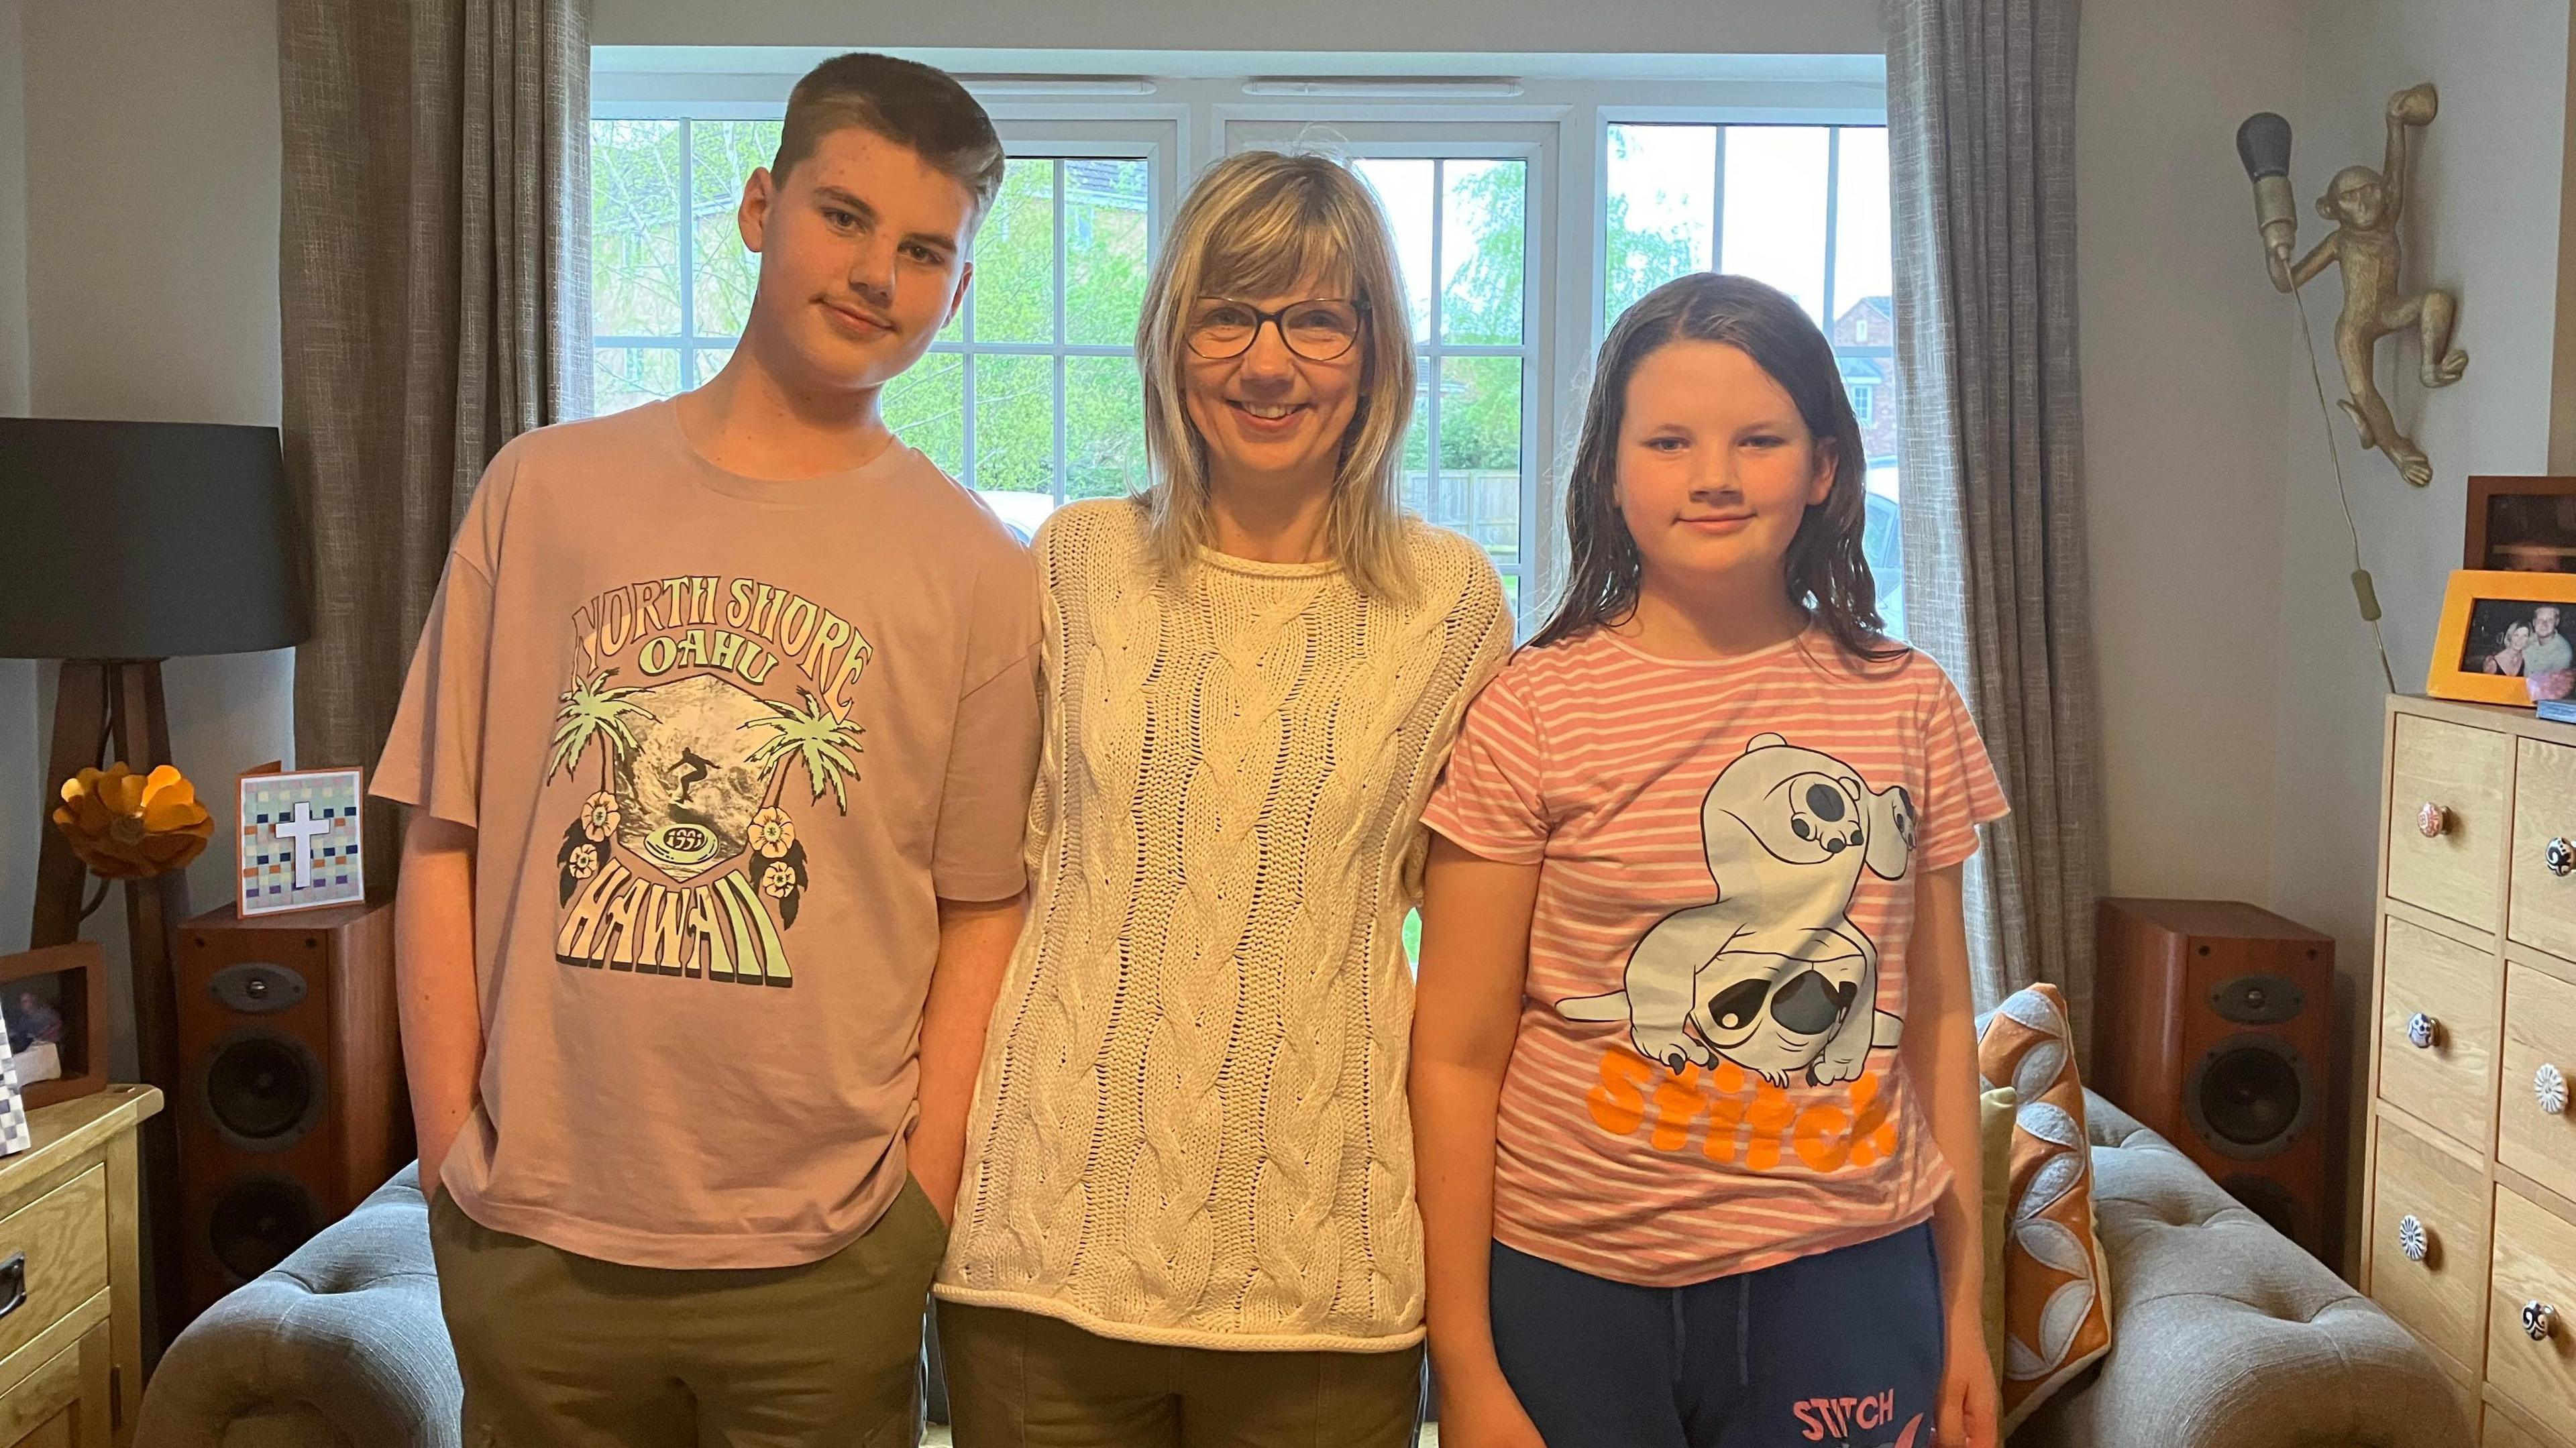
pixel 1773 976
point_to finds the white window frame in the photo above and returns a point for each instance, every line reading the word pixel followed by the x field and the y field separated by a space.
pixel 1185 108
pixel 1531 143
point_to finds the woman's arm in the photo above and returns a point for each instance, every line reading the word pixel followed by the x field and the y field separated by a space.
pixel 1940 1055
pixel 1467 1006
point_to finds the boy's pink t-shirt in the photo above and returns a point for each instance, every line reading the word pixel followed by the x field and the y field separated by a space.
pixel 1734 844
pixel 725 744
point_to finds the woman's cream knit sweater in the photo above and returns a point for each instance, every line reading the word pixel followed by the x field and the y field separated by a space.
pixel 1190 1127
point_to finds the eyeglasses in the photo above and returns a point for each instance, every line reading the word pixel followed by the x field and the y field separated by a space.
pixel 1319 329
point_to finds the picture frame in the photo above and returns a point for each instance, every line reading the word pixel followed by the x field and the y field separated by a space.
pixel 2493 626
pixel 2520 525
pixel 302 845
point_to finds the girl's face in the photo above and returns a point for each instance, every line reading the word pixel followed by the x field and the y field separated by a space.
pixel 1271 414
pixel 1715 467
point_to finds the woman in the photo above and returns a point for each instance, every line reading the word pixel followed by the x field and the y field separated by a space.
pixel 1187 1216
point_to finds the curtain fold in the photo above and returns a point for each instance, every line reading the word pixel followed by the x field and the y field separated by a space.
pixel 434 272
pixel 1981 158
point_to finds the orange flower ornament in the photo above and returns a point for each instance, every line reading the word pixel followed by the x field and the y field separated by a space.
pixel 128 826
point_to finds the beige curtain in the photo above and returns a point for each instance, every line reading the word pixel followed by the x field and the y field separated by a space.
pixel 1981 154
pixel 435 274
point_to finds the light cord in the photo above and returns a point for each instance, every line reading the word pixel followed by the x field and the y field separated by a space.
pixel 2366 597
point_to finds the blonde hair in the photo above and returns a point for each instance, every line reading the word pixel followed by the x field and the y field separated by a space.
pixel 1256 224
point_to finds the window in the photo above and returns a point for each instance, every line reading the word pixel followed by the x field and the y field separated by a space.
pixel 1526 214
pixel 1461 228
pixel 1804 208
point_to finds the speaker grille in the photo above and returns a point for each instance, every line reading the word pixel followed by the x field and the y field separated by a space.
pixel 2271 1201
pixel 261 1091
pixel 2250 1096
pixel 257 1221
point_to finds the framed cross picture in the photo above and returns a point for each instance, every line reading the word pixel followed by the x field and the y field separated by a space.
pixel 301 847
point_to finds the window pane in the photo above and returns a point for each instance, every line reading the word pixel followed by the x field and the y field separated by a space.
pixel 624 377
pixel 1775 210
pixel 708 362
pixel 634 230
pixel 926 407
pixel 1478 491
pixel 1404 189
pixel 1862 251
pixel 1014 424
pixel 1104 439
pixel 1015 264
pixel 1661 186
pixel 723 154
pixel 1104 251
pixel 1482 228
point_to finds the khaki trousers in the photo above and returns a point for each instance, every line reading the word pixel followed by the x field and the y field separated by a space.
pixel 1024 1380
pixel 563 1351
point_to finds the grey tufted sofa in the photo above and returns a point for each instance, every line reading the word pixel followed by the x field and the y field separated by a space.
pixel 2226 1336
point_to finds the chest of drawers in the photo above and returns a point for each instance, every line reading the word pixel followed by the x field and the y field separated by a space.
pixel 71 1338
pixel 2470 1173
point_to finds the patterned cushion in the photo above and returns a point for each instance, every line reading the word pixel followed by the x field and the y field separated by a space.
pixel 2056 1286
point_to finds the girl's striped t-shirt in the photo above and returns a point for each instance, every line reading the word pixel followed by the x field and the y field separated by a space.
pixel 1706 1080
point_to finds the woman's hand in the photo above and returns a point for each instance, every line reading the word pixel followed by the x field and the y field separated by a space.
pixel 1970 1407
pixel 1485 1418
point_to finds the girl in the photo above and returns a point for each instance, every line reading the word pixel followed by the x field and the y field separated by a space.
pixel 1694 1077
pixel 1187 1217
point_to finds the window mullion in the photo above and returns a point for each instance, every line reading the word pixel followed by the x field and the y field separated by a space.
pixel 1717 206
pixel 1833 220
pixel 1062 180
pixel 688 251
pixel 1431 364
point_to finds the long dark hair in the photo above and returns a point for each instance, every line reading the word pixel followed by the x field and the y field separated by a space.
pixel 1825 569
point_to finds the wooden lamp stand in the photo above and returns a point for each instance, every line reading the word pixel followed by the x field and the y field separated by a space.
pixel 117 702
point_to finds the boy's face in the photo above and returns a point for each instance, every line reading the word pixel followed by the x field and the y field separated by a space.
pixel 862 258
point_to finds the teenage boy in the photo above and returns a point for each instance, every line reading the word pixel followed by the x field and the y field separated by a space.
pixel 719 741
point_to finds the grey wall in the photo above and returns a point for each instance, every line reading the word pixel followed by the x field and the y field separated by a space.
pixel 2484 220
pixel 2185 366
pixel 21 769
pixel 151 185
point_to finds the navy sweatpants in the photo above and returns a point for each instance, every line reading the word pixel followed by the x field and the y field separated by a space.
pixel 1843 1348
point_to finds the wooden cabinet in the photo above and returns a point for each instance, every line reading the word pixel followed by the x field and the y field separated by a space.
pixel 71 1337
pixel 2446 817
pixel 2470 1205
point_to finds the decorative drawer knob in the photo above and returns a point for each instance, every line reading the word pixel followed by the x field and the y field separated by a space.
pixel 2538 1320
pixel 2559 855
pixel 2549 1088
pixel 2412 1239
pixel 2433 820
pixel 2422 1031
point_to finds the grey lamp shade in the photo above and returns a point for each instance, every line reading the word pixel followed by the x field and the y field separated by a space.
pixel 145 540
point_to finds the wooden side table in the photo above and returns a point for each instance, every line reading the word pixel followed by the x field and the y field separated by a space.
pixel 71 1275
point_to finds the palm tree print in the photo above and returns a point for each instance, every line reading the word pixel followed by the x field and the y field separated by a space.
pixel 593 711
pixel 827 745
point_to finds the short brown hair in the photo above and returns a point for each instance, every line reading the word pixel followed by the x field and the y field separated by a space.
pixel 904 101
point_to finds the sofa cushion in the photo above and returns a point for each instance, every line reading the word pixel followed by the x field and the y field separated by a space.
pixel 2230 1336
pixel 339 1346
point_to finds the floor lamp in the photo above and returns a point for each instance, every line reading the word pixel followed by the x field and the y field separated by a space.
pixel 123 544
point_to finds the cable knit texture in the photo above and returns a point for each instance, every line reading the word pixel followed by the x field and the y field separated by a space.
pixel 1191 1125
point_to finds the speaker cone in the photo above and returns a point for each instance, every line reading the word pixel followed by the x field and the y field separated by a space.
pixel 261 1090
pixel 2250 1096
pixel 255 1223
